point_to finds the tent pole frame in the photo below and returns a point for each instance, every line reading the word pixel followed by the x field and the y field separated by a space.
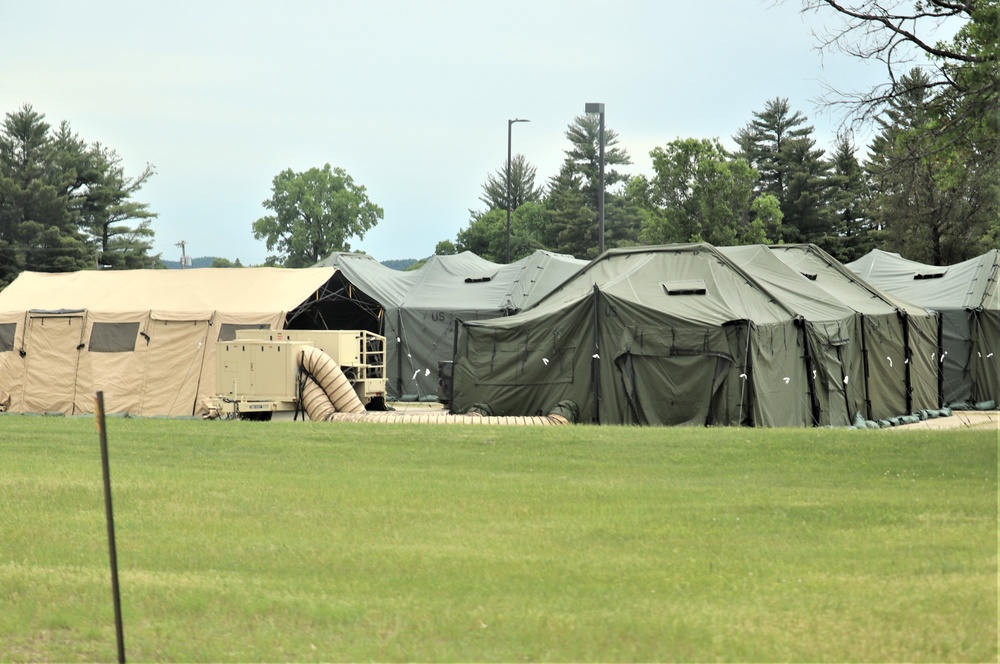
pixel 908 362
pixel 811 374
pixel 748 368
pixel 595 362
pixel 864 360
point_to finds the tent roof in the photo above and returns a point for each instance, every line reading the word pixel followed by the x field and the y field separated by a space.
pixel 789 286
pixel 694 282
pixel 252 289
pixel 970 284
pixel 847 287
pixel 462 281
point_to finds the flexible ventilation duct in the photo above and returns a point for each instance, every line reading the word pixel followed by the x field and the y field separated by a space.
pixel 326 389
pixel 328 396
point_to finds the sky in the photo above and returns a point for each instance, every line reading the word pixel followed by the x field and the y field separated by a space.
pixel 411 98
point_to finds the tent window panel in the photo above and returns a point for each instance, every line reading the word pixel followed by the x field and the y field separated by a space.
pixel 521 367
pixel 7 332
pixel 113 337
pixel 227 331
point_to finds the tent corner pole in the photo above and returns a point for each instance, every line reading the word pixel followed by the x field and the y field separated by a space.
pixel 864 362
pixel 908 353
pixel 595 362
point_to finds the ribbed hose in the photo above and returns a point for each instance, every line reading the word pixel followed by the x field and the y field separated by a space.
pixel 326 389
pixel 327 396
pixel 444 418
pixel 315 401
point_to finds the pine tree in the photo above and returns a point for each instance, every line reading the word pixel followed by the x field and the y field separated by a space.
pixel 108 209
pixel 573 195
pixel 522 186
pixel 779 145
pixel 855 234
pixel 65 205
pixel 571 222
pixel 41 180
pixel 936 197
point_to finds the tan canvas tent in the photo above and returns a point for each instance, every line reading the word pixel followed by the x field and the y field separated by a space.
pixel 146 338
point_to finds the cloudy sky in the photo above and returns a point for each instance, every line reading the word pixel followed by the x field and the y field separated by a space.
pixel 411 98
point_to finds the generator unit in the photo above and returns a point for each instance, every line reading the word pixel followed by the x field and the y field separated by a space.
pixel 258 373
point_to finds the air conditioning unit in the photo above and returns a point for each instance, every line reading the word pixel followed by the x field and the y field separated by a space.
pixel 258 374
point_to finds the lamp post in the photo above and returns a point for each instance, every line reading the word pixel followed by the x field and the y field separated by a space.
pixel 510 123
pixel 599 108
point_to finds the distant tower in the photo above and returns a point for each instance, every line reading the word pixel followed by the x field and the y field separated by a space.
pixel 185 261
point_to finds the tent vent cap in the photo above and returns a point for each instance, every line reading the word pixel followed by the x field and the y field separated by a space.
pixel 479 278
pixel 929 275
pixel 689 287
pixel 809 276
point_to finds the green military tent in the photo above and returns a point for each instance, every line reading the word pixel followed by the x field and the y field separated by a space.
pixel 667 335
pixel 693 334
pixel 967 299
pixel 899 338
pixel 416 310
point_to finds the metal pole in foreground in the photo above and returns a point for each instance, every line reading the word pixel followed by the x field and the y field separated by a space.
pixel 109 512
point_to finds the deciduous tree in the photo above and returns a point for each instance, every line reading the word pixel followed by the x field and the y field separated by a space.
pixel 699 193
pixel 961 75
pixel 314 214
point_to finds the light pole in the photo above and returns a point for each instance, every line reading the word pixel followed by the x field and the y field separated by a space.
pixel 599 108
pixel 510 123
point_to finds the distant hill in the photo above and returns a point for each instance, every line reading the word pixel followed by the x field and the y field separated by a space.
pixel 206 261
pixel 400 264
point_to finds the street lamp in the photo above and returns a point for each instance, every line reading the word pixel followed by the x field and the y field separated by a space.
pixel 599 108
pixel 510 123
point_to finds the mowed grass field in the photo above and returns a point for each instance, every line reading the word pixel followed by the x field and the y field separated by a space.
pixel 241 541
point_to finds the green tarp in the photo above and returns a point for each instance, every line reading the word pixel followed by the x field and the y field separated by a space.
pixel 967 298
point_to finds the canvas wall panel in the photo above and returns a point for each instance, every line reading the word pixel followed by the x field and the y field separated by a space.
pixel 52 350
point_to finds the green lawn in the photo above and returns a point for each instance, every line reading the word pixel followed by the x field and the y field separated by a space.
pixel 242 541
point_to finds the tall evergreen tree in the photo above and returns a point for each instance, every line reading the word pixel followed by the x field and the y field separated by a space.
pixel 40 176
pixel 583 156
pixel 779 145
pixel 522 186
pixel 572 199
pixel 571 221
pixel 936 197
pixel 66 205
pixel 109 210
pixel 855 234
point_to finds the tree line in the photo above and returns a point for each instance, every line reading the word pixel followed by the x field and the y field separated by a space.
pixel 930 197
pixel 66 204
pixel 927 185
